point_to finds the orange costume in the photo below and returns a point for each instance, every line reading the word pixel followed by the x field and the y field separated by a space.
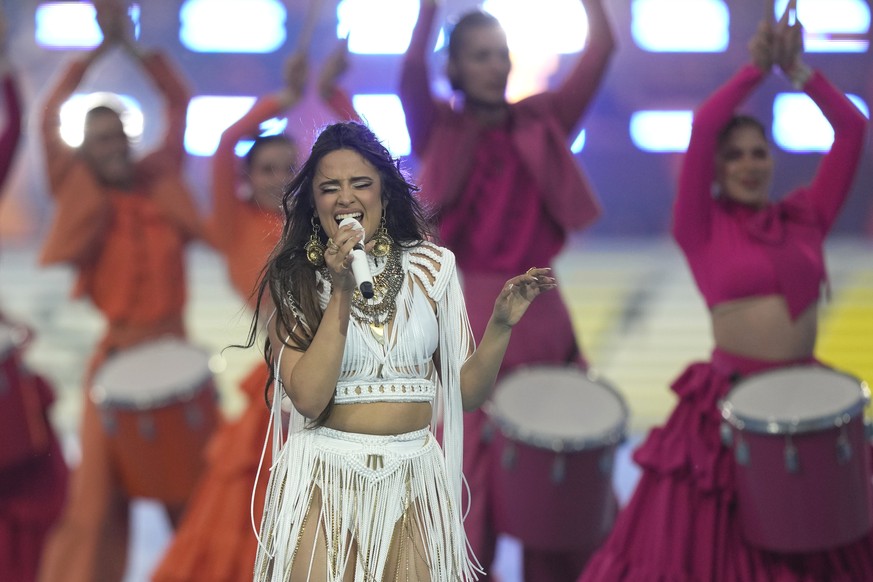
pixel 128 248
pixel 215 542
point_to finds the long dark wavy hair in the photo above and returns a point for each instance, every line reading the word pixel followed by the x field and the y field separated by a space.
pixel 288 277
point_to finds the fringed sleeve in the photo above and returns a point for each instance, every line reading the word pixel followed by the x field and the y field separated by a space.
pixel 455 346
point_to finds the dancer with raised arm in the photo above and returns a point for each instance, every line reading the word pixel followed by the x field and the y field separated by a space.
pixel 123 224
pixel 507 192
pixel 760 267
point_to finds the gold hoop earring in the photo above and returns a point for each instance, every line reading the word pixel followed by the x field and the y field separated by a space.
pixel 382 240
pixel 313 247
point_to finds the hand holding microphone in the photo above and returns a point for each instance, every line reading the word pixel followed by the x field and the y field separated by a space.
pixel 360 266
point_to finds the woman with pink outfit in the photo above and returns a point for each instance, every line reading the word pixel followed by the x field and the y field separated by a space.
pixel 760 267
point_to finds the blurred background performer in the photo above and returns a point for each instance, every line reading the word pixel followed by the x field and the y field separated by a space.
pixel 33 474
pixel 507 191
pixel 123 225
pixel 215 542
pixel 759 265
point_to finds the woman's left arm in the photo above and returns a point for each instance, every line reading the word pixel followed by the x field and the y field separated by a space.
pixel 835 173
pixel 829 188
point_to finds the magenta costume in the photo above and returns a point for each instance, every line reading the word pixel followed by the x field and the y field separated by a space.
pixel 32 492
pixel 681 523
pixel 506 198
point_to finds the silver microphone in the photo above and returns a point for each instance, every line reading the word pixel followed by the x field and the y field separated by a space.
pixel 360 266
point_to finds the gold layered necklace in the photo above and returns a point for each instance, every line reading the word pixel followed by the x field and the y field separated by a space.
pixel 379 310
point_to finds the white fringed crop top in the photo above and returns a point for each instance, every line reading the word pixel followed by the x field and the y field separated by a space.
pixel 401 369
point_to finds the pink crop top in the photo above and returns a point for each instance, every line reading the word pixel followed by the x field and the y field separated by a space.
pixel 736 251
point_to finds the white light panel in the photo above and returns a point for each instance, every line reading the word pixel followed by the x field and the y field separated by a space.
pixel 208 117
pixel 677 26
pixel 578 143
pixel 233 26
pixel 71 25
pixel 661 131
pixel 384 115
pixel 550 26
pixel 377 27
pixel 74 109
pixel 832 26
pixel 800 126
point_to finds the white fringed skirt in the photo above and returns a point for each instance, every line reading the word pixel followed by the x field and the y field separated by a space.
pixel 367 484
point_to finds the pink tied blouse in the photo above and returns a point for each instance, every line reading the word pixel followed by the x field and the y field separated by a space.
pixel 736 251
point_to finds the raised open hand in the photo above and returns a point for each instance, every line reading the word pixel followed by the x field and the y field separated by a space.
pixel 518 293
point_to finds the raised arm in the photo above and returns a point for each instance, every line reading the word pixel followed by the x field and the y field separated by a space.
pixel 59 156
pixel 169 83
pixel 572 98
pixel 419 103
pixel 226 205
pixel 835 173
pixel 328 83
pixel 694 202
pixel 310 376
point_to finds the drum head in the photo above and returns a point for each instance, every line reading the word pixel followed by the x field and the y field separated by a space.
pixel 558 408
pixel 151 372
pixel 794 399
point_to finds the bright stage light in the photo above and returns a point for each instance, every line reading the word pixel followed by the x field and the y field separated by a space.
pixel 233 26
pixel 69 25
pixel 208 117
pixel 578 143
pixel 74 109
pixel 679 26
pixel 274 126
pixel 384 115
pixel 832 26
pixel 800 126
pixel 550 26
pixel 377 27
pixel 661 131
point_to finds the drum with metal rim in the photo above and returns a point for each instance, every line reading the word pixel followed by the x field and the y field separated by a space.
pixel 158 405
pixel 803 462
pixel 558 430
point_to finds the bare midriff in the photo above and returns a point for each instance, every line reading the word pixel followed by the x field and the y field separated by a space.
pixel 380 418
pixel 762 328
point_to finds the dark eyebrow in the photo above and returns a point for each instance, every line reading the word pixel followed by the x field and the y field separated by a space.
pixel 336 181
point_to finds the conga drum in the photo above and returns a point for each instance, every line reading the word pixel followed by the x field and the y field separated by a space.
pixel 158 405
pixel 802 458
pixel 558 430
